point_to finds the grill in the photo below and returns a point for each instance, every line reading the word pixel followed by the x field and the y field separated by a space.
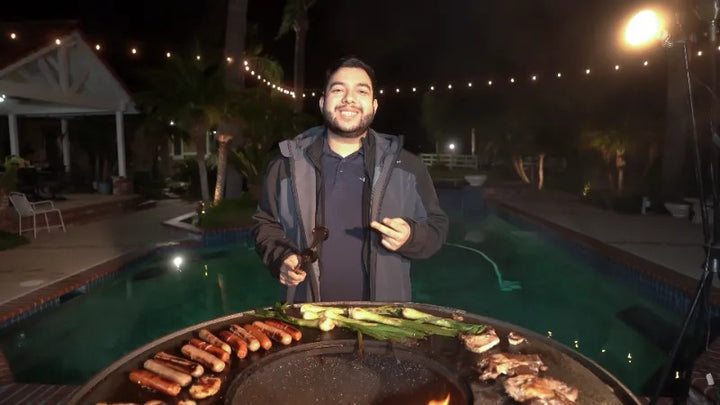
pixel 334 368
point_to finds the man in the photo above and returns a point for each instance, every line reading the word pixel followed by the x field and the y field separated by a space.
pixel 376 200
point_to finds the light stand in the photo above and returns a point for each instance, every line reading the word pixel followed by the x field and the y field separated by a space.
pixel 712 249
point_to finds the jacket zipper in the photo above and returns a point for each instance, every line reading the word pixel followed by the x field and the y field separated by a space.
pixel 375 199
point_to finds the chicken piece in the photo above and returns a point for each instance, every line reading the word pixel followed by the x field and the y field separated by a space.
pixel 482 342
pixel 205 387
pixel 540 390
pixel 510 364
pixel 515 339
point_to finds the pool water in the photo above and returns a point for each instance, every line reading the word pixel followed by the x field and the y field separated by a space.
pixel 560 296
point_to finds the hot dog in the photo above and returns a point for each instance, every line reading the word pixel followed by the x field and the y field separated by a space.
pixel 212 349
pixel 203 357
pixel 252 343
pixel 180 364
pixel 153 381
pixel 207 336
pixel 167 373
pixel 275 333
pixel 235 342
pixel 265 342
pixel 292 331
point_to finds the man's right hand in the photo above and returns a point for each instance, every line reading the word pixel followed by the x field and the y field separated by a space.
pixel 290 271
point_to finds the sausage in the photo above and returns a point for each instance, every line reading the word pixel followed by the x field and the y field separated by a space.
pixel 212 339
pixel 252 343
pixel 265 342
pixel 203 357
pixel 180 364
pixel 167 373
pixel 214 350
pixel 153 381
pixel 205 387
pixel 275 333
pixel 290 330
pixel 236 343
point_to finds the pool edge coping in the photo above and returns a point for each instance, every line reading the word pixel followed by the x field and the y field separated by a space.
pixel 643 266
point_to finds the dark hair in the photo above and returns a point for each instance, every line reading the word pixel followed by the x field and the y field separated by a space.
pixel 349 62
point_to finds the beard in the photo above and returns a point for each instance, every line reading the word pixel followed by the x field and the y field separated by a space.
pixel 348 130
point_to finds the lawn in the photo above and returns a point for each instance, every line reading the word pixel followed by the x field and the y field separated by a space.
pixel 229 213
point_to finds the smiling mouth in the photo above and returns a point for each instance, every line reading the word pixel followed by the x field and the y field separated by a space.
pixel 349 114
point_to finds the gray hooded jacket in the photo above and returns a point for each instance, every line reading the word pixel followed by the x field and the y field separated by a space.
pixel 401 187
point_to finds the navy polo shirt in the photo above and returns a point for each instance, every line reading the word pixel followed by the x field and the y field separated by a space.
pixel 342 276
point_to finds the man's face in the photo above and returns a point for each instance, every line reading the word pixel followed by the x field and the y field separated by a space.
pixel 348 105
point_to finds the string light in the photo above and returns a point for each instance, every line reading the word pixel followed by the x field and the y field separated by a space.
pixel 534 78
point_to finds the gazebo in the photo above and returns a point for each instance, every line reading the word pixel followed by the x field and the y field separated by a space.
pixel 50 70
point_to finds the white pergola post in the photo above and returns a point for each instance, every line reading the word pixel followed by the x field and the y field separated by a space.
pixel 120 132
pixel 14 143
pixel 65 144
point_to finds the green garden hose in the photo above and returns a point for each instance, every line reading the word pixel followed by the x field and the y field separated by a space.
pixel 505 285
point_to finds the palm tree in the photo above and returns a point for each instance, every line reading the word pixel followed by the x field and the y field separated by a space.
pixel 295 15
pixel 194 95
pixel 612 145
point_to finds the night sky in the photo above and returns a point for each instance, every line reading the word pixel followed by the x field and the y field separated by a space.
pixel 408 42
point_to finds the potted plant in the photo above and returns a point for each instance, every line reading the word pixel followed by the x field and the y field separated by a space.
pixel 8 179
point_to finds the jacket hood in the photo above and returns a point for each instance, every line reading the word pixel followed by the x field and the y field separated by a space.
pixel 384 142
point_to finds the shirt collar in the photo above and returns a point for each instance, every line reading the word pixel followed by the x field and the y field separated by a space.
pixel 330 152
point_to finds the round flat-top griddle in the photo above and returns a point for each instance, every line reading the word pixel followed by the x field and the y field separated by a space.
pixel 337 368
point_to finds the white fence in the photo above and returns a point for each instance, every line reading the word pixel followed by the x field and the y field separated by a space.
pixel 450 160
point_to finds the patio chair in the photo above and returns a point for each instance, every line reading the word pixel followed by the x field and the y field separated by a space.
pixel 26 209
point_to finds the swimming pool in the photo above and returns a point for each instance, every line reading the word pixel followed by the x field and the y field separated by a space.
pixel 560 296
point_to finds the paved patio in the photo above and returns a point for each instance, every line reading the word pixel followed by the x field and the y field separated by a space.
pixel 55 256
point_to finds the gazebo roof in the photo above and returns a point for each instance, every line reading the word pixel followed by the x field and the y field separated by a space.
pixel 41 77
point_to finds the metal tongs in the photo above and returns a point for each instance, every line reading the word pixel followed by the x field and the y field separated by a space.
pixel 309 255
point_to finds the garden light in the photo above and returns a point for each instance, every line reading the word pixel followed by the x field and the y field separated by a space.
pixel 177 261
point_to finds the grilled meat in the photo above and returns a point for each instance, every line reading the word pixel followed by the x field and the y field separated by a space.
pixel 482 342
pixel 540 390
pixel 510 364
pixel 515 339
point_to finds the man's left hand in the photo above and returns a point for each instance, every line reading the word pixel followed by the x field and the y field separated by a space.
pixel 395 232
